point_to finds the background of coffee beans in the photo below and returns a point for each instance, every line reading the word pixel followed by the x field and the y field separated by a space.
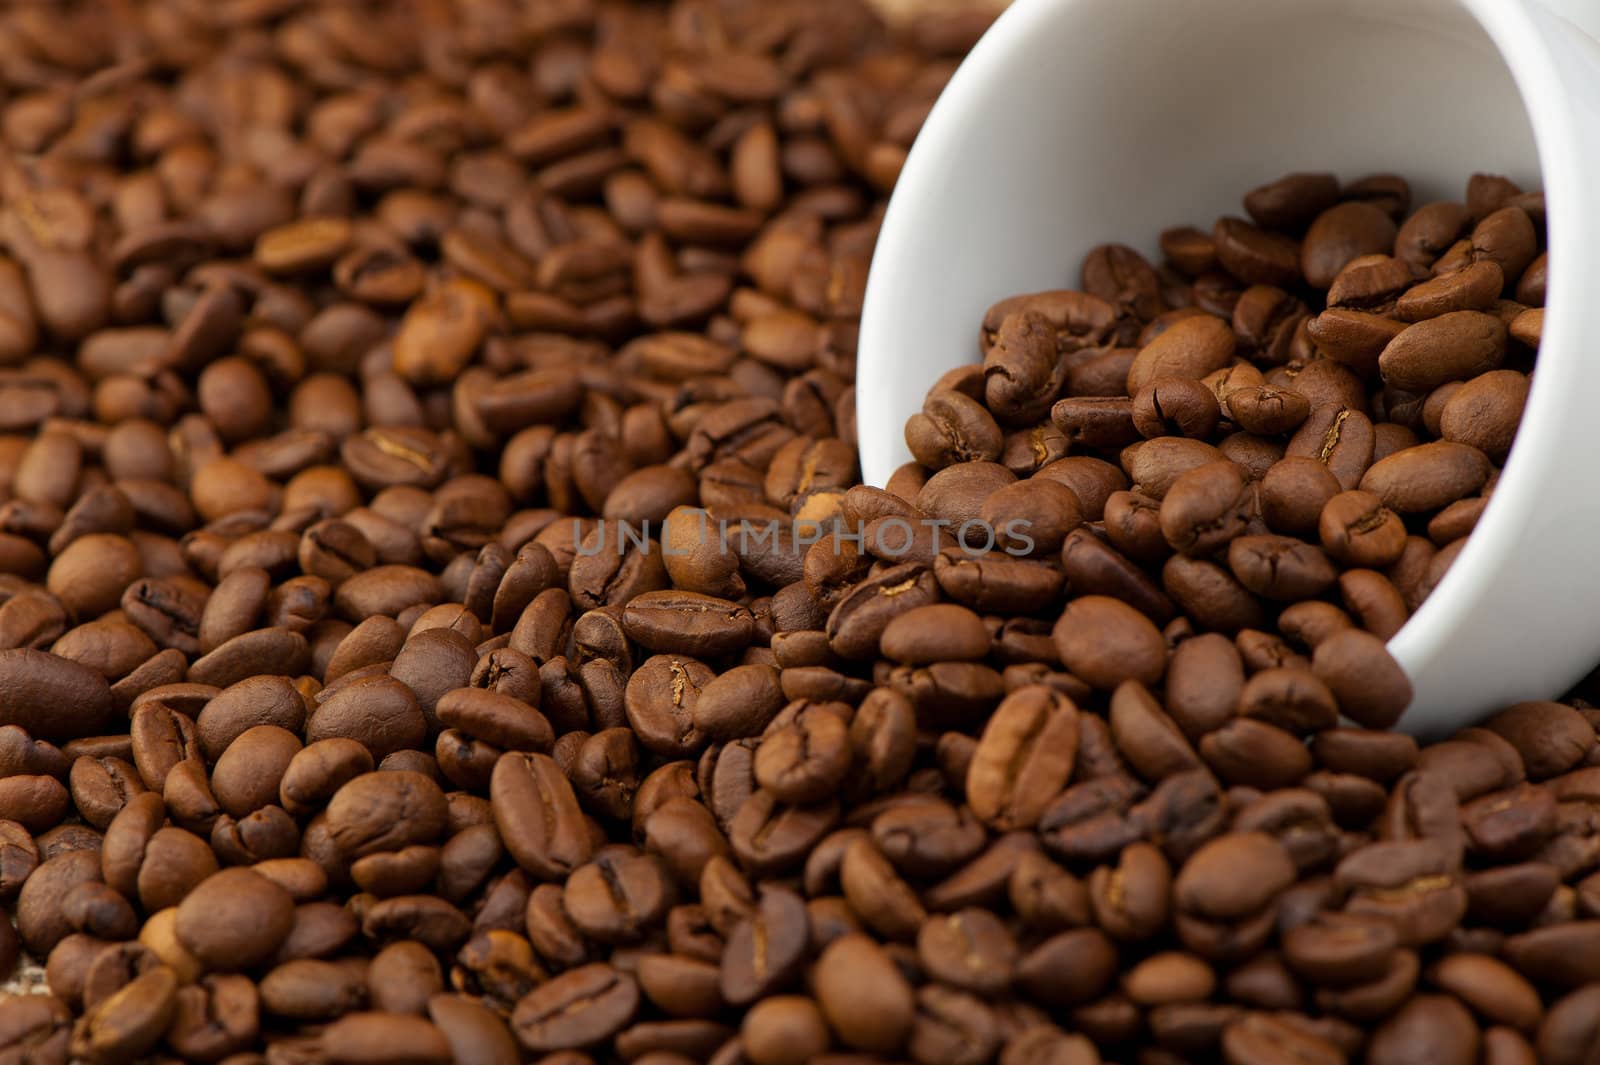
pixel 338 344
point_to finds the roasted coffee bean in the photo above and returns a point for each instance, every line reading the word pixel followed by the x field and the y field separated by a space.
pixel 1024 757
pixel 1549 737
pixel 804 753
pixel 1190 348
pixel 927 837
pixel 1069 968
pixel 1362 678
pixel 234 919
pixel 864 997
pixel 52 698
pixel 538 815
pixel 765 949
pixel 1104 641
pixel 378 712
pixel 1176 406
pixel 1292 201
pixel 576 1009
pixel 1206 508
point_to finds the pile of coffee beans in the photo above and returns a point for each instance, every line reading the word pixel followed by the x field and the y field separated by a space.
pixel 440 622
pixel 1286 431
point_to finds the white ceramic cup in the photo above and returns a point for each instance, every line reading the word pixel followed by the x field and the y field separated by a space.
pixel 1076 122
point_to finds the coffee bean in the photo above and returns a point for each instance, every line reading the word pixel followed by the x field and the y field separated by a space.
pixel 1291 201
pixel 579 1008
pixel 1176 406
pixel 1261 1037
pixel 765 949
pixel 1362 678
pixel 1427 477
pixel 1070 968
pixel 1454 346
pixel 864 997
pixel 378 712
pixel 1280 567
pixel 385 1038
pixel 1145 737
pixel 1437 1021
pixel 1256 256
pixel 1105 641
pixel 1213 883
pixel 1204 678
pixel 1206 508
pixel 51 697
pixel 938 632
pixel 538 815
pixel 805 753
pixel 1559 742
pixel 1342 233
pixel 1024 757
pixel 498 719
pixel 258 916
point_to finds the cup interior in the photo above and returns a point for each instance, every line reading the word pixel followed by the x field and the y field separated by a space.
pixel 1078 122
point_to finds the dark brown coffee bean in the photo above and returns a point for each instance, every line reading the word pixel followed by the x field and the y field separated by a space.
pixel 1568 1030
pixel 1204 678
pixel 1436 1021
pixel 374 1037
pixel 765 950
pixel 864 997
pixel 1256 754
pixel 502 720
pixel 1024 757
pixel 805 753
pixel 1452 347
pixel 101 787
pixel 577 1009
pixel 1362 677
pixel 378 712
pixel 687 623
pixel 1256 256
pixel 1340 234
pixel 1175 406
pixel 261 915
pixel 1214 882
pixel 1550 737
pixel 1280 567
pixel 1257 1038
pixel 1205 508
pixel 1292 201
pixel 1340 439
pixel 51 697
pixel 1410 883
pixel 969 949
pixel 1068 969
pixel 885 902
pixel 951 428
pixel 1105 641
pixel 1145 737
pixel 1358 530
pixel 926 836
pixel 538 815
pixel 1426 477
